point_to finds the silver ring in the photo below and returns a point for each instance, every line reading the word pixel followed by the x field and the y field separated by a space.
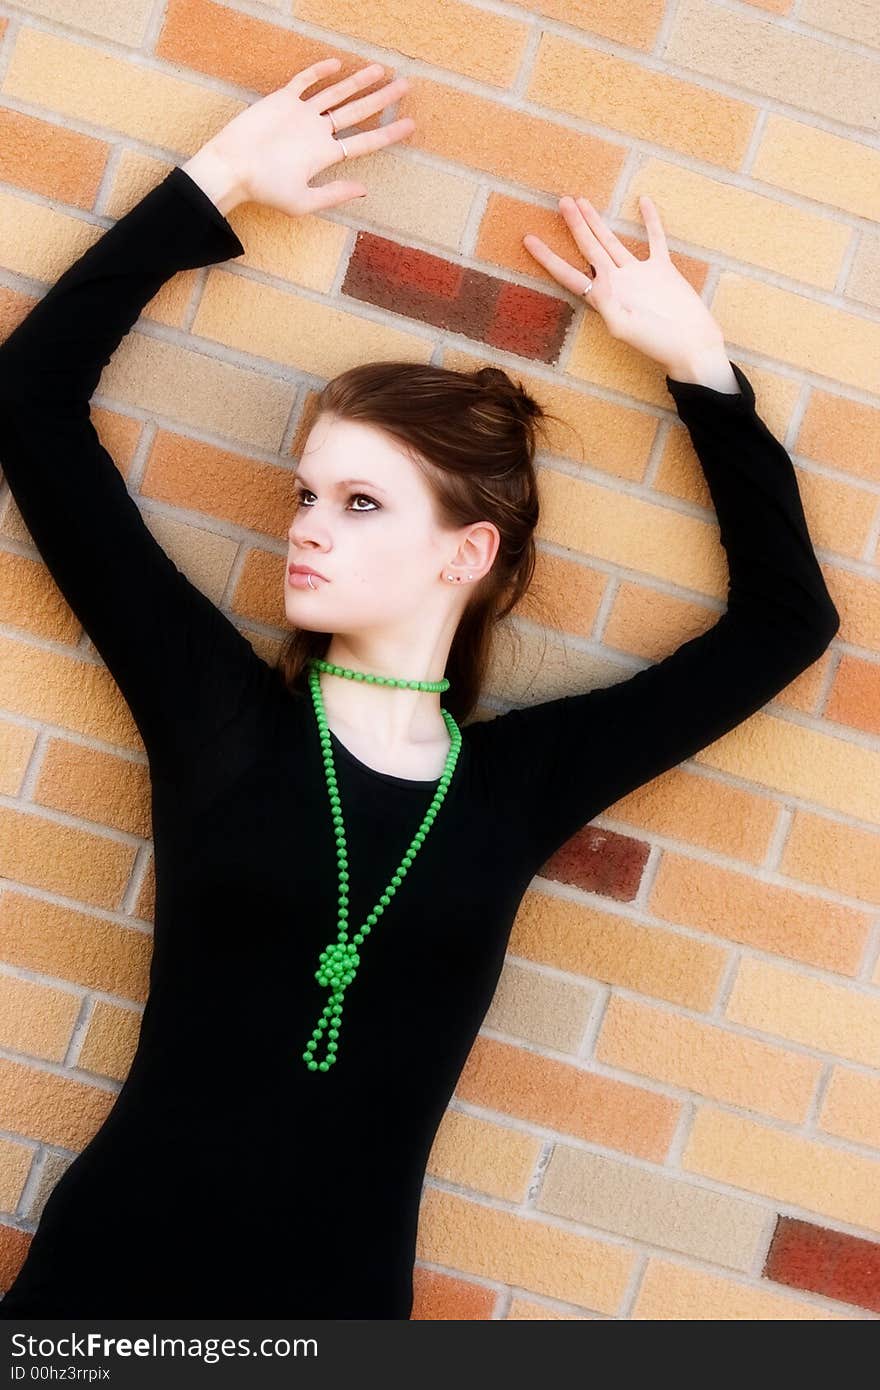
pixel 587 288
pixel 309 578
pixel 335 136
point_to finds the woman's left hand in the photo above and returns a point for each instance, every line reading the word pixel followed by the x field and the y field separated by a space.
pixel 648 304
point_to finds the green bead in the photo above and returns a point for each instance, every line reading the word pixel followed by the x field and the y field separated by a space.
pixel 338 962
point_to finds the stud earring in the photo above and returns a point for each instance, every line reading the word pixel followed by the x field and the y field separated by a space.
pixel 457 577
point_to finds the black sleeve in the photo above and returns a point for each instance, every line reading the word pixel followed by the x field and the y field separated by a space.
pixel 557 764
pixel 183 668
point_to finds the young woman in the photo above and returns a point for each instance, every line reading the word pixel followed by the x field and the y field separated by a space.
pixel 338 862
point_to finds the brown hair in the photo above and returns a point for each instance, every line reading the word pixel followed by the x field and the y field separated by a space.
pixel 474 436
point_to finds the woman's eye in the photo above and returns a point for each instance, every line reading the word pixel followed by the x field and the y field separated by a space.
pixel 362 496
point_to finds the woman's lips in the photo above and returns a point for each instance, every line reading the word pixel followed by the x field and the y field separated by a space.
pixel 298 579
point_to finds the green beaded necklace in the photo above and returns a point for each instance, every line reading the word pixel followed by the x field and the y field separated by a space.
pixel 340 959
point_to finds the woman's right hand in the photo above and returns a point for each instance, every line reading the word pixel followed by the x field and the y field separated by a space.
pixel 273 147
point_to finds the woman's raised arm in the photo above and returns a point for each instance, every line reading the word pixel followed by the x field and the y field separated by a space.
pixel 181 665
pixel 557 764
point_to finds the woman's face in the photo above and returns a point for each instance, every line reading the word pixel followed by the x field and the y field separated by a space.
pixel 364 521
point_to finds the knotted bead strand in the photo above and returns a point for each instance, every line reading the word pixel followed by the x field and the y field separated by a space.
pixel 339 961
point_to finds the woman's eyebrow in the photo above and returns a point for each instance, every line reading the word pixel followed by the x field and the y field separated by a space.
pixel 343 482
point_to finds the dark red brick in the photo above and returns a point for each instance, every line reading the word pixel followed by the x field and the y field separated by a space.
pixel 459 298
pixel 599 861
pixel 826 1262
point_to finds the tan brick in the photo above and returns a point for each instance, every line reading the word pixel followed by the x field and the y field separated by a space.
pixel 259 593
pixel 774 61
pixel 15 1164
pixel 479 44
pixel 842 433
pixel 785 1167
pixel 802 762
pixel 842 1020
pixel 95 785
pixel 564 595
pixel 635 26
pixel 486 1157
pixel 637 100
pixel 304 250
pixel 648 622
pixel 176 384
pixel 219 482
pixel 123 23
pixel 854 697
pixel 711 1061
pixel 35 1018
pixel 440 1296
pixel 857 598
pixel 568 1099
pixel 738 907
pixel 701 810
pixel 51 1107
pixel 844 858
pixel 415 202
pixel 52 1165
pixel 840 515
pixel 498 139
pixel 534 1255
pixel 818 164
pixel 40 242
pixel 91 84
pixel 541 1008
pixel 630 531
pixel 803 332
pixel 528 1310
pixel 16 747
pixel 31 601
pixel 110 1039
pixel 851 19
pixel 46 158
pixel 743 224
pixel 863 281
pixel 315 337
pixel 254 53
pixel 609 362
pixel 851 1107
pixel 67 691
pixel 64 858
pixel 75 946
pixel 671 1292
pixel 807 691
pixel 645 1204
pixel 616 950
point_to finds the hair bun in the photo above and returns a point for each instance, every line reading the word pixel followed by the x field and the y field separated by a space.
pixel 512 392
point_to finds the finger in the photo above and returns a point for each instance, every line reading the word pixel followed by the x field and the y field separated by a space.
pixel 657 244
pixel 567 275
pixel 587 242
pixel 330 195
pixel 310 75
pixel 600 229
pixel 354 111
pixel 368 140
pixel 346 87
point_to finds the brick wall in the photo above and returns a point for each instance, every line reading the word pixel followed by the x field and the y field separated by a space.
pixel 673 1108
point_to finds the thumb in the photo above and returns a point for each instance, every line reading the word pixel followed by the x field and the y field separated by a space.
pixel 329 195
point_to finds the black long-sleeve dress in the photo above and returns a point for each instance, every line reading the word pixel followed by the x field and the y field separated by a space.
pixel 228 1178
